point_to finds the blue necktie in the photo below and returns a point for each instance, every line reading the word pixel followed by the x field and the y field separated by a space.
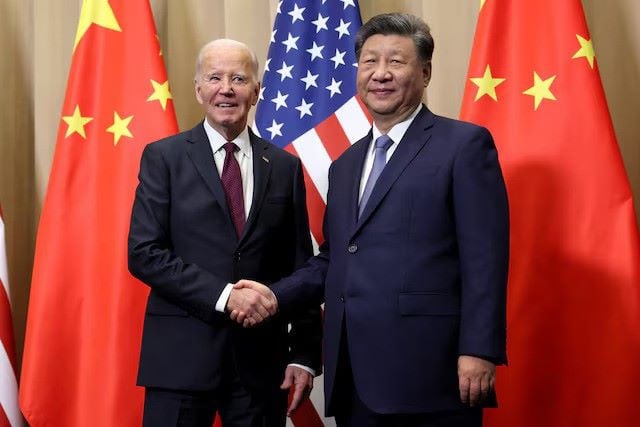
pixel 379 161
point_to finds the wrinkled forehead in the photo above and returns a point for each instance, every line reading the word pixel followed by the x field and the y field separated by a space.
pixel 227 58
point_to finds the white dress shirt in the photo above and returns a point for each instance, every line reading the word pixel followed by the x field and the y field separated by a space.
pixel 244 156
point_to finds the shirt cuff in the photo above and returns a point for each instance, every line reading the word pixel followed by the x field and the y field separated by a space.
pixel 306 368
pixel 221 305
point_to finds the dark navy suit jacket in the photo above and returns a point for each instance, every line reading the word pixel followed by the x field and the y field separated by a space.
pixel 182 244
pixel 420 277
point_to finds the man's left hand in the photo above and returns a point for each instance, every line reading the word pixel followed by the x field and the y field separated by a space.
pixel 302 382
pixel 476 378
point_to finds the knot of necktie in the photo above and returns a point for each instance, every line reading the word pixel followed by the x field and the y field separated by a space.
pixel 230 147
pixel 383 142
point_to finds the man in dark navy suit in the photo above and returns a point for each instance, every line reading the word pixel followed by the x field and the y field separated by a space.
pixel 214 204
pixel 414 267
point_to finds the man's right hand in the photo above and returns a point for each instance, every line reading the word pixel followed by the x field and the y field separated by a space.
pixel 250 303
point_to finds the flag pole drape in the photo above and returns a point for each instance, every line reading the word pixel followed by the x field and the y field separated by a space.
pixel 9 411
pixel 85 312
pixel 574 282
pixel 308 106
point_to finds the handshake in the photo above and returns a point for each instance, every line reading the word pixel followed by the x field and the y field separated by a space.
pixel 250 303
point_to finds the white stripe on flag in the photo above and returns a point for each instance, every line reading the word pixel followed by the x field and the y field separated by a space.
pixel 317 397
pixel 316 160
pixel 9 389
pixel 353 120
pixel 314 243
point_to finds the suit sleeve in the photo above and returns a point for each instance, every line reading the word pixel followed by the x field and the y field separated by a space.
pixel 305 336
pixel 482 227
pixel 151 258
pixel 305 287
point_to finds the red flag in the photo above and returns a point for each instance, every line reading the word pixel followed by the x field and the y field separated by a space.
pixel 86 311
pixel 574 285
pixel 9 412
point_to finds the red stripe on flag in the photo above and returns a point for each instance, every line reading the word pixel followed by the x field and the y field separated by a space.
pixel 306 415
pixel 315 203
pixel 332 135
pixel 4 420
pixel 6 331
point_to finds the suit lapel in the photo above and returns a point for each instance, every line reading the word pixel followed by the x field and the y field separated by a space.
pixel 261 175
pixel 199 150
pixel 414 139
pixel 360 153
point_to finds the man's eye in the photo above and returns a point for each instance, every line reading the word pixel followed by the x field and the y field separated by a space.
pixel 238 79
pixel 213 78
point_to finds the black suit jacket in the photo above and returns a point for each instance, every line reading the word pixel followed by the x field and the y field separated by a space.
pixel 182 244
pixel 418 279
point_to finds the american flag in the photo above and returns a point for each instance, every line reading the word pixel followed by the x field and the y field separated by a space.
pixel 9 412
pixel 308 106
pixel 307 102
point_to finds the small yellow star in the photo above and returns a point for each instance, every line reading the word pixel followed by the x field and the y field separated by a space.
pixel 482 3
pixel 75 123
pixel 120 127
pixel 486 84
pixel 160 93
pixel 97 12
pixel 540 89
pixel 585 51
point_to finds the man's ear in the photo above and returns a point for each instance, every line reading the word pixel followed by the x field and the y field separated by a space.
pixel 196 88
pixel 426 73
pixel 256 94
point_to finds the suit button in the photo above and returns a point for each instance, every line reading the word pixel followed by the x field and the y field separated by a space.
pixel 341 298
pixel 236 256
pixel 353 248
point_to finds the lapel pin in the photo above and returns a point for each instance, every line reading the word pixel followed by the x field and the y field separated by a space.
pixel 265 159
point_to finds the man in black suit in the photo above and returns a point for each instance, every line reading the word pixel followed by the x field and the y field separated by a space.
pixel 215 204
pixel 413 271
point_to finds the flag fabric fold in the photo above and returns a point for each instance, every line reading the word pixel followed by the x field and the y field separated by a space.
pixel 85 310
pixel 9 411
pixel 574 282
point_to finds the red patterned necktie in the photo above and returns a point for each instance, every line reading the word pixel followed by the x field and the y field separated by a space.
pixel 232 183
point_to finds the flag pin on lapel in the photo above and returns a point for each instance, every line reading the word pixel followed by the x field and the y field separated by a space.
pixel 265 159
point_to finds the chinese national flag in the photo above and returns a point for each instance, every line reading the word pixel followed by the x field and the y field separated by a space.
pixel 574 282
pixel 86 311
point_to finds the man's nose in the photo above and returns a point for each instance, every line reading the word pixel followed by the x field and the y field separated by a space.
pixel 381 72
pixel 226 87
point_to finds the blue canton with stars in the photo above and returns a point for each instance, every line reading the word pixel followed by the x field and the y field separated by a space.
pixel 311 67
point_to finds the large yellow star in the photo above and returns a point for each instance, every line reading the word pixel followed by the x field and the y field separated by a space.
pixel 160 93
pixel 540 89
pixel 75 123
pixel 97 12
pixel 120 127
pixel 486 84
pixel 585 51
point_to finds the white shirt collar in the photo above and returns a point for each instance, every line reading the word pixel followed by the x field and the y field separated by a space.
pixel 396 133
pixel 217 140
